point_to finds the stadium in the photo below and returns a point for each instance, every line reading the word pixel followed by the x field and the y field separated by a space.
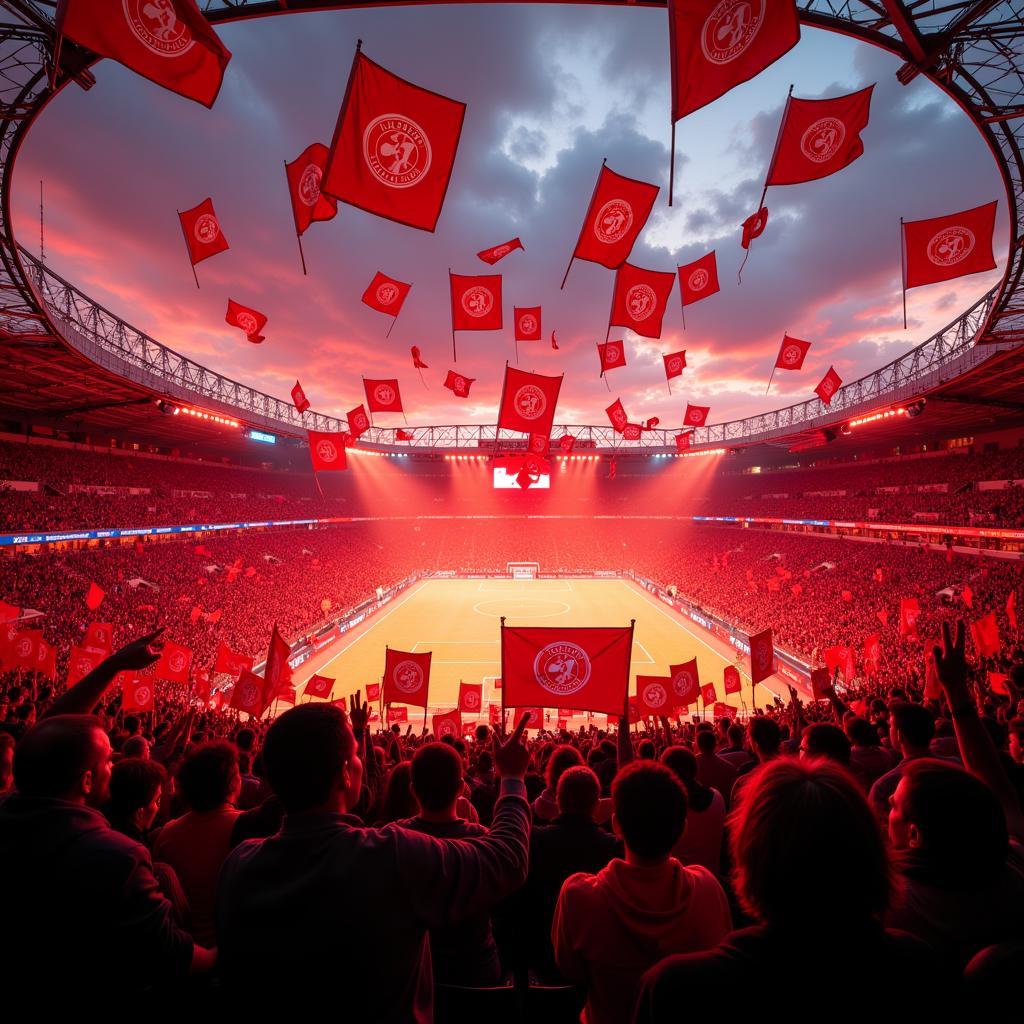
pixel 468 651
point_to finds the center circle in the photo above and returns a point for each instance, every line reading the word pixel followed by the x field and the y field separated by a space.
pixel 523 607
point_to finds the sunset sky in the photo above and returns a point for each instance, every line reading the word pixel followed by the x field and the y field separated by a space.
pixel 550 91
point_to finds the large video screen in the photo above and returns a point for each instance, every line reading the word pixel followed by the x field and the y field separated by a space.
pixel 512 472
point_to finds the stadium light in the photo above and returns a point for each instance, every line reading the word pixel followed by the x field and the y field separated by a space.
pixel 202 414
pixel 875 417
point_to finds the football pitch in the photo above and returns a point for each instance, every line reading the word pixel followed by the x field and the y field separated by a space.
pixel 458 620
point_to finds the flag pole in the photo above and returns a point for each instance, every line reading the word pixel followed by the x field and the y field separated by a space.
pixel 503 673
pixel 184 238
pixel 672 164
pixel 451 302
pixel 583 226
pixel 392 327
pixel 775 367
pixel 298 234
pixel 369 412
pixel 903 272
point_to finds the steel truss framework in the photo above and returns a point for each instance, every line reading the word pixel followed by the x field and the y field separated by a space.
pixel 973 49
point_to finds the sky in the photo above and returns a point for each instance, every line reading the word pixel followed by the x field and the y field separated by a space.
pixel 551 90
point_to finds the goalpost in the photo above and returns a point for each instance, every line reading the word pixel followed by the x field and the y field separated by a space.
pixel 523 570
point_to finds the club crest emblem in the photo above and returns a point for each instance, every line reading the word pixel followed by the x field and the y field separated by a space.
pixel 326 451
pixel 176 662
pixel 791 355
pixel 613 220
pixel 157 26
pixel 562 668
pixel 309 185
pixel 471 699
pixel 655 695
pixel 408 676
pixel 249 695
pixel 529 402
pixel 950 246
pixel 385 394
pixel 683 684
pixel 698 280
pixel 641 302
pixel 822 139
pixel 612 354
pixel 386 294
pixel 396 150
pixel 675 364
pixel 246 321
pixel 528 324
pixel 730 28
pixel 206 229
pixel 478 300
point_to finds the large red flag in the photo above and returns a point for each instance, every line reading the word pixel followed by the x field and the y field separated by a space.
pixel 299 398
pixel 394 146
pixel 382 395
pixel 828 386
pixel 731 679
pixel 583 668
pixel 696 415
pixel 685 683
pixel 617 415
pixel 654 695
pixel 762 655
pixel 458 384
pixel 248 695
pixel 471 697
pixel 675 363
pixel 277 673
pixel 718 44
pixel 386 294
pixel 447 724
pixel 304 175
pixel 792 353
pixel 612 354
pixel 698 280
pixel 617 214
pixel 247 319
pixel 476 302
pixel 985 632
pixel 640 299
pixel 175 663
pixel 406 677
pixel 202 232
pixel 169 42
pixel 909 611
pixel 499 252
pixel 819 137
pixel 230 661
pixel 942 248
pixel 326 451
pixel 8 612
pixel 358 421
pixel 527 322
pixel 528 402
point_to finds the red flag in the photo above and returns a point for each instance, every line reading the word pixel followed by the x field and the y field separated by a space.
pixel 554 344
pixel 404 435
pixel 230 661
pixel 696 415
pixel 534 717
pixel 46 659
pixel 683 441
pixel 397 715
pixel 304 175
pixel 81 662
pixel 909 610
pixel 248 695
pixel 630 432
pixel 1011 609
pixel 654 695
pixel 612 355
pixel 277 673
pixel 840 657
pixel 382 395
pixel 985 632
pixel 99 636
pixel 731 679
pixel 943 248
pixel 883 616
pixel 201 688
pixel 358 421
pixel 448 724
pixel 685 683
pixel 617 415
pixel 175 663
pixel 406 677
pixel 24 650
pixel 299 398
pixel 246 319
pixel 492 256
pixel 202 232
pixel 718 44
pixel 675 363
pixel 458 384
pixel 476 302
pixel 762 656
pixel 417 358
pixel 169 42
pixel 582 668
pixel 754 226
pixel 828 386
pixel 820 682
pixel 617 214
pixel 386 294
pixel 471 697
pixel 373 691
pixel 494 714
pixel 968 596
pixel 319 686
pixel 698 280
pixel 538 444
pixel 872 655
pixel 708 694
pixel 94 597
pixel 640 299
pixel 819 137
pixel 394 146
pixel 326 451
pixel 8 613
pixel 567 442
pixel 527 322
pixel 997 683
pixel 722 710
pixel 528 402
pixel 137 693
pixel 792 353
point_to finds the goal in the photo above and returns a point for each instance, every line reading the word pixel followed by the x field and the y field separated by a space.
pixel 523 570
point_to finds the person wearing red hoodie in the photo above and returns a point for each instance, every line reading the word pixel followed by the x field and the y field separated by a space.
pixel 610 927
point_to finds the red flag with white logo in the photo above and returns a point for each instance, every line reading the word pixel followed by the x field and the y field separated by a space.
pixel 630 432
pixel 762 655
pixel 792 353
pixel 731 679
pixel 373 691
pixel 137 694
pixel 175 663
pixel 828 386
pixel 23 650
pixel 397 715
pixel 944 248
pixel 203 236
pixel 698 280
pixel 277 673
pixel 458 384
pixel 716 45
pixel 708 694
pixel 654 695
pixel 230 661
pixel 617 415
pixel 528 402
pixel 358 421
pixel 534 717
pixel 640 299
pixel 248 695
pixel 406 677
pixel 326 451
pixel 386 294
pixel 696 415
pixel 612 355
pixel 299 398
pixel 909 611
pixel 305 173
pixel 447 724
pixel 499 252
pixel 538 444
pixel 683 441
pixel 382 395
pixel 675 363
pixel 685 683
pixel 170 42
pixel 476 302
pixel 872 653
pixel 819 137
pixel 246 319
pixel 471 697
pixel 527 322
pixel 753 227
pixel 567 442
pixel 394 147
pixel 99 636
pixel 81 662
pixel 581 668
pixel 840 657
pixel 318 686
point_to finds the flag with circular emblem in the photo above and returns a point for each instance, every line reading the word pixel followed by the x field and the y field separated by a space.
pixel 762 655
pixel 683 441
pixel 447 724
pixel 248 695
pixel 527 321
pixel 471 697
pixel 385 294
pixel 792 353
pixel 499 252
pixel 246 319
pixel 476 302
pixel 528 402
pixel 616 414
pixel 654 694
pixel 618 211
pixel 327 451
pixel 731 681
pixel 944 248
pixel 382 395
pixel 304 175
pixel 175 663
pixel 406 677
pixel 318 686
pixel 684 681
pixel 611 354
pixel 358 421
pixel 828 386
pixel 394 146
pixel 675 363
pixel 640 299
pixel 696 415
pixel 299 398
pixel 137 693
pixel 203 235
pixel 458 384
pixel 699 279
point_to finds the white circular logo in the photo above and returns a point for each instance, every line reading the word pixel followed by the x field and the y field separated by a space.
pixel 730 28
pixel 459 385
pixel 675 364
pixel 142 695
pixel 385 394
pixel 530 402
pixel 528 324
pixel 176 662
pixel 538 442
pixel 206 229
pixel 156 25
pixel 396 150
pixel 950 246
pixel 446 727
pixel 501 250
pixel 359 421
pixel 683 683
pixel 641 302
pixel 613 220
pixel 698 280
pixel 408 676
pixel 696 415
pixel 246 321
pixel 326 451
pixel 23 647
pixel 619 417
pixel 655 695
pixel 478 301
pixel 386 294
pixel 309 185
pixel 791 355
pixel 471 699
pixel 631 432
pixel 562 668
pixel 822 139
pixel 827 386
pixel 612 353
pixel 249 695
pixel 83 666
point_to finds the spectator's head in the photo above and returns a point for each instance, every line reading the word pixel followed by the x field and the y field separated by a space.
pixel 950 820
pixel 136 785
pixel 309 756
pixel 436 780
pixel 649 810
pixel 245 740
pixel 822 739
pixel 562 758
pixel 807 847
pixel 66 757
pixel 398 801
pixel 646 750
pixel 132 725
pixel 209 777
pixel 135 746
pixel 706 741
pixel 911 728
pixel 578 791
pixel 483 734
pixel 681 762
pixel 765 738
pixel 1017 740
pixel 6 761
pixel 737 734
pixel 861 732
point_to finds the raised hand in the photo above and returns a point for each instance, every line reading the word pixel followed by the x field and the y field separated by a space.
pixel 511 756
pixel 951 664
pixel 359 711
pixel 139 653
